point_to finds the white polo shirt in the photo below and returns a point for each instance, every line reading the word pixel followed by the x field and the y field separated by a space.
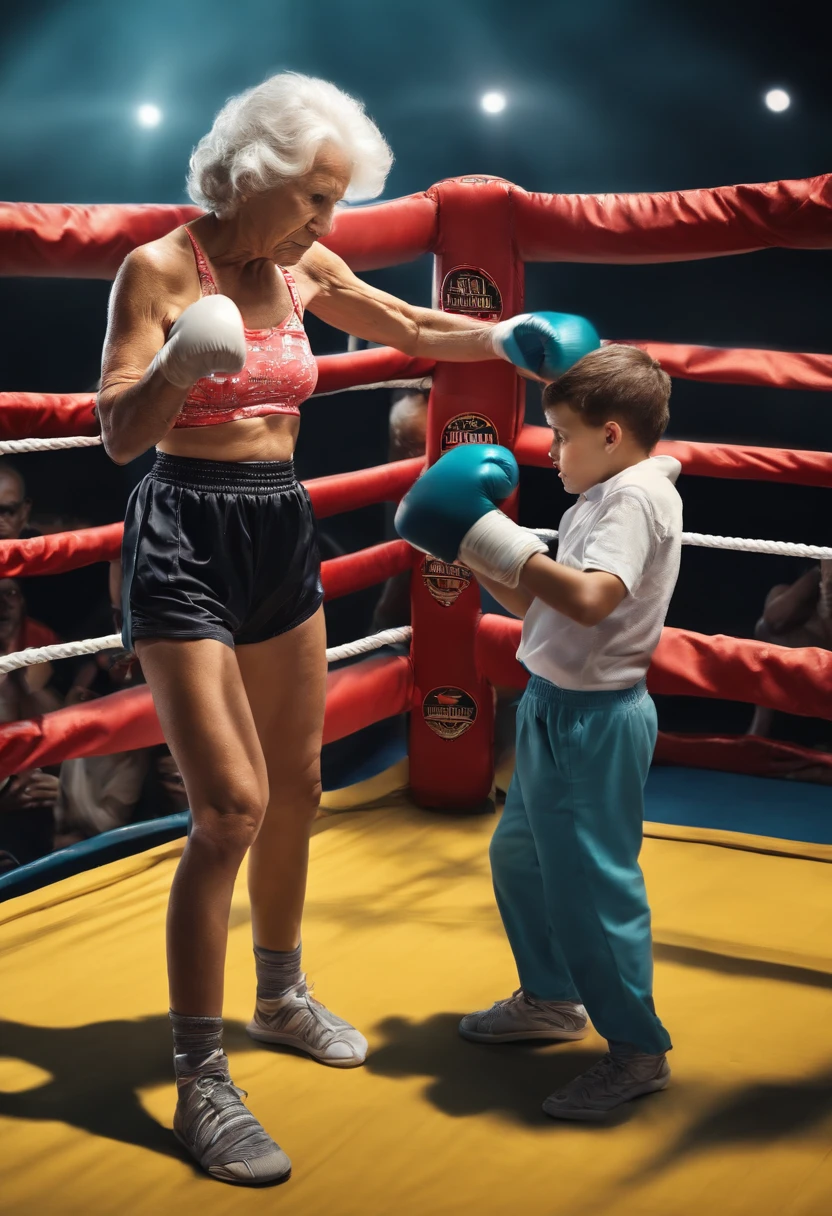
pixel 630 526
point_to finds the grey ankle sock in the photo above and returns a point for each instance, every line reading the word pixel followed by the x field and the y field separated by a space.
pixel 197 1043
pixel 277 971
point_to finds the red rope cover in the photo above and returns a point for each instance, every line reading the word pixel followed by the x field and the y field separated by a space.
pixel 675 225
pixel 91 241
pixel 739 754
pixel 357 696
pixel 62 551
pixel 364 487
pixel 734 461
pixel 715 365
pixel 366 568
pixel 53 415
pixel 694 665
pixel 47 415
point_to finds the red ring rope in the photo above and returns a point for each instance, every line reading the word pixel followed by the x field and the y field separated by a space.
pixel 709 459
pixel 357 696
pixel 91 241
pixel 693 665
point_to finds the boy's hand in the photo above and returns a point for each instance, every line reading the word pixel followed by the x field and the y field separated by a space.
pixel 451 512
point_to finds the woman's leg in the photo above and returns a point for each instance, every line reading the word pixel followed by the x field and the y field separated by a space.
pixel 285 682
pixel 208 725
pixel 285 679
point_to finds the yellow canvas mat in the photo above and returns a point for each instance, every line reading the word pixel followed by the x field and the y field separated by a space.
pixel 402 937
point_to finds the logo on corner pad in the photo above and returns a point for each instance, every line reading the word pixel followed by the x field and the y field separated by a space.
pixel 471 292
pixel 449 712
pixel 467 428
pixel 445 580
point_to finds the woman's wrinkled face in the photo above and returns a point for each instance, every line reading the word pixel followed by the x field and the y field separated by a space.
pixel 302 211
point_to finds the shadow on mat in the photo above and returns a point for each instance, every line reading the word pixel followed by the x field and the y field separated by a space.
pixel 511 1079
pixel 97 1071
pixel 754 1114
pixel 729 964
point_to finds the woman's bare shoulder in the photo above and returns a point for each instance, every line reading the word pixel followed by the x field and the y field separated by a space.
pixel 164 267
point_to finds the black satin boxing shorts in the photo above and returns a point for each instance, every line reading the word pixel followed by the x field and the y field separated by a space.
pixel 217 549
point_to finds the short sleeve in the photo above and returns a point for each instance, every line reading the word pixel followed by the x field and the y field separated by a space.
pixel 623 539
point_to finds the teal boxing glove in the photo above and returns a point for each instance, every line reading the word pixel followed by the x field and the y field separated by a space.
pixel 451 512
pixel 544 343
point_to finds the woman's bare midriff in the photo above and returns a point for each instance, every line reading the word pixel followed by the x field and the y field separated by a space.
pixel 271 437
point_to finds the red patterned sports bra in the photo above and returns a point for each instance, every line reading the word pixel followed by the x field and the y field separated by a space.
pixel 279 374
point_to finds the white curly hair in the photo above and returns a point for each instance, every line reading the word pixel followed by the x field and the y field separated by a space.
pixel 271 134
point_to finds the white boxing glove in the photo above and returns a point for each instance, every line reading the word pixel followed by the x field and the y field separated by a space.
pixel 208 337
pixel 498 548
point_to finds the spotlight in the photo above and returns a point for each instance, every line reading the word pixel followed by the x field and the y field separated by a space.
pixel 148 116
pixel 778 100
pixel 493 103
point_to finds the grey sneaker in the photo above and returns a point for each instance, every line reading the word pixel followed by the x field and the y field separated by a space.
pixel 296 1019
pixel 521 1017
pixel 221 1135
pixel 609 1083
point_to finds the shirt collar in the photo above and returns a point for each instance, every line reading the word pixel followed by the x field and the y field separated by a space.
pixel 602 488
pixel 651 466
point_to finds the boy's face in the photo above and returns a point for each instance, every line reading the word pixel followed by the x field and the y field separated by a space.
pixel 580 453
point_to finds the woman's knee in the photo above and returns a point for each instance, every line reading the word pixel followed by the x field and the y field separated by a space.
pixel 228 821
pixel 300 798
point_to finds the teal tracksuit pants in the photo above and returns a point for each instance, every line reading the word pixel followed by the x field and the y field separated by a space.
pixel 564 857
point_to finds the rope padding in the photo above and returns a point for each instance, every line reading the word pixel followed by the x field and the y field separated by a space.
pixel 356 696
pixel 694 665
pixel 733 461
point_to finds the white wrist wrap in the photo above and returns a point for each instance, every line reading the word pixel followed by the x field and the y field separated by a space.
pixel 499 548
pixel 500 332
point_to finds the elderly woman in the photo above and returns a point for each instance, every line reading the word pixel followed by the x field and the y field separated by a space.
pixel 207 359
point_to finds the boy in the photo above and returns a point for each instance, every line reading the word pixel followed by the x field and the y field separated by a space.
pixel 565 854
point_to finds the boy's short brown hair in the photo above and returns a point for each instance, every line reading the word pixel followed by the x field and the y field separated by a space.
pixel 621 383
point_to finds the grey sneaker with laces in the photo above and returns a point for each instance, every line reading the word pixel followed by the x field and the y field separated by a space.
pixel 521 1016
pixel 608 1084
pixel 296 1019
pixel 221 1135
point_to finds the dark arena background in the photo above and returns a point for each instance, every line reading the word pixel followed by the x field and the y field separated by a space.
pixel 721 113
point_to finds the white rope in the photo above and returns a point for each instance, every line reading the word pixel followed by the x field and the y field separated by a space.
pixel 63 650
pixel 387 637
pixel 783 547
pixel 421 386
pixel 11 447
pixel 702 540
pixel 71 650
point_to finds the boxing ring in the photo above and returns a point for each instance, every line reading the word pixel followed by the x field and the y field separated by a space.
pixel 742 909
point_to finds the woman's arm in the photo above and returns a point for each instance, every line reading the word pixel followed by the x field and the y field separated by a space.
pixel 338 297
pixel 137 405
